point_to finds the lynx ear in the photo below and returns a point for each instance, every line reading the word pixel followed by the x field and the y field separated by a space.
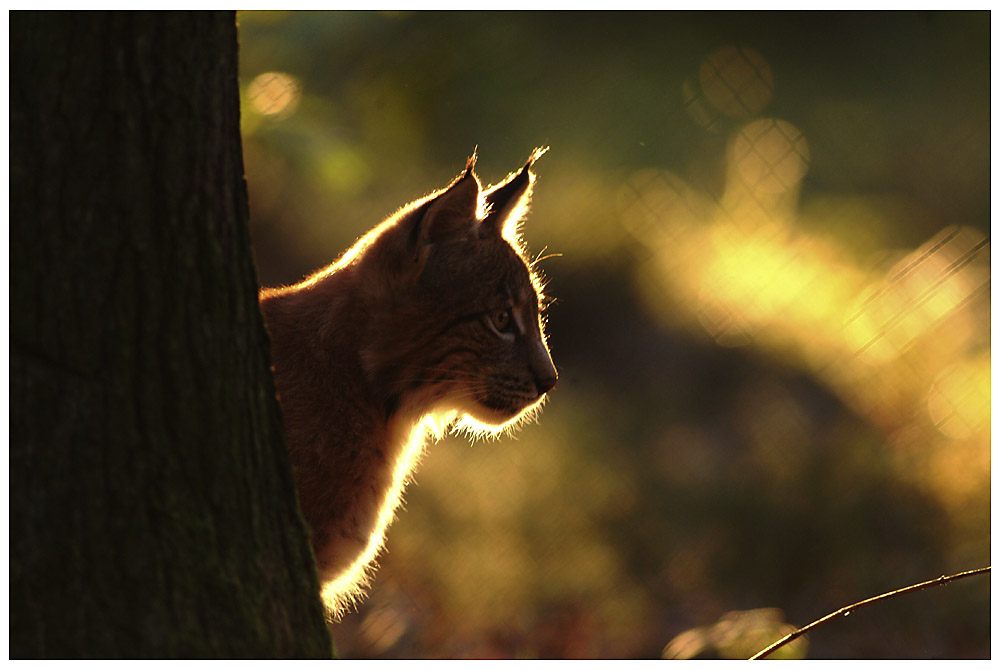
pixel 452 215
pixel 508 200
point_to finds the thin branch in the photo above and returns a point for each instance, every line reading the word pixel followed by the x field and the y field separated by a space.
pixel 844 611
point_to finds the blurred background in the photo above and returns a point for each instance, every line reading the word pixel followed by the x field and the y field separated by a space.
pixel 772 322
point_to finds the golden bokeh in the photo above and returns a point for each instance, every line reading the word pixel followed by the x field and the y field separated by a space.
pixel 770 155
pixel 918 292
pixel 959 399
pixel 731 83
pixel 737 81
pixel 274 94
pixel 899 340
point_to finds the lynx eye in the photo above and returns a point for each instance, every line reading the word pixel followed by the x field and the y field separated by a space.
pixel 501 320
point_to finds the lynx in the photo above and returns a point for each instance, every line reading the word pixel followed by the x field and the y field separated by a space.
pixel 430 321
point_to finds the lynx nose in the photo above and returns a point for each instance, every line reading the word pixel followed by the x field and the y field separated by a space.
pixel 542 368
pixel 545 385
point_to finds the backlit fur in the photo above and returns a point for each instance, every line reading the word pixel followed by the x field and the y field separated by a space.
pixel 430 321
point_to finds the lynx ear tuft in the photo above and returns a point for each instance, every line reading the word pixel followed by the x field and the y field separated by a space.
pixel 508 201
pixel 535 155
pixel 470 163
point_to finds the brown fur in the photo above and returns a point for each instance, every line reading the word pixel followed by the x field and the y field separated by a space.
pixel 431 318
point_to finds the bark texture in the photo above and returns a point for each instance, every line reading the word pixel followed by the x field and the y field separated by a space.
pixel 152 506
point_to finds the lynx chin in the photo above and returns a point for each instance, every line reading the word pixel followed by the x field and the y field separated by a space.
pixel 432 321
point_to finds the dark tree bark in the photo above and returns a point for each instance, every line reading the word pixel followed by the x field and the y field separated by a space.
pixel 152 507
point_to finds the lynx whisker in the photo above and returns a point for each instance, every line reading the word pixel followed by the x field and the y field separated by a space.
pixel 539 258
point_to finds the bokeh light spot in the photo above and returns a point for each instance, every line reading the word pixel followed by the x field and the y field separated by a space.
pixel 959 399
pixel 770 155
pixel 737 81
pixel 924 287
pixel 275 94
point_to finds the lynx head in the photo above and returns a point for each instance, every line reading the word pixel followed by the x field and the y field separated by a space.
pixel 460 328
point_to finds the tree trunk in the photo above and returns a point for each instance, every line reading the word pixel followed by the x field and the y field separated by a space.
pixel 152 506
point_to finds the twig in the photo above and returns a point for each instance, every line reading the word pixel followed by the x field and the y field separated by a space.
pixel 844 611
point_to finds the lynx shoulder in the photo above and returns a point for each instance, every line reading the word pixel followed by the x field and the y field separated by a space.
pixel 430 321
